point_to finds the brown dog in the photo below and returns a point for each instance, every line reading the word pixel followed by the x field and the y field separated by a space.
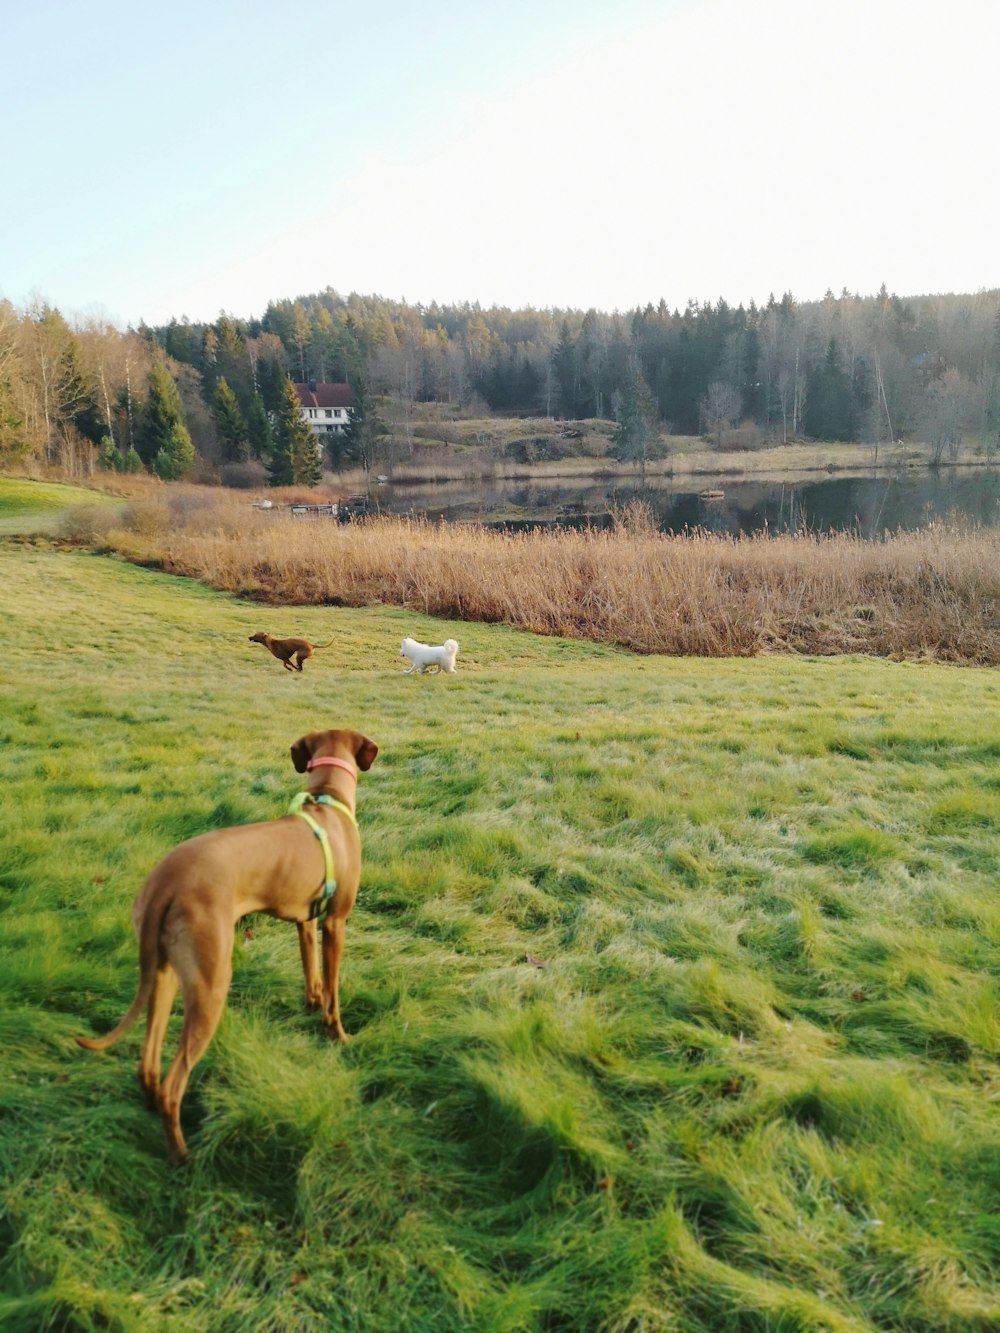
pixel 185 913
pixel 287 649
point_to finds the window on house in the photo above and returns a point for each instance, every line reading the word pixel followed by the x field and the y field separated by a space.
pixel 337 413
pixel 329 413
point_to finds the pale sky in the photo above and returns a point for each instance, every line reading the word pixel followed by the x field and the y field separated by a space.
pixel 193 158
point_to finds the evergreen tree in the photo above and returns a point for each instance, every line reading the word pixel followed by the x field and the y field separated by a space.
pixel 229 424
pixel 116 459
pixel 180 340
pixel 161 414
pixel 232 361
pixel 357 443
pixel 279 464
pixel 175 459
pixel 13 443
pixel 258 429
pixel 635 431
pixel 307 467
pixel 294 456
pixel 565 363
pixel 270 378
pixel 828 414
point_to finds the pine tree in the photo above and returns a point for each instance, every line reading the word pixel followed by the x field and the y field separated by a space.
pixel 565 363
pixel 635 430
pixel 279 465
pixel 357 443
pixel 175 459
pixel 229 424
pixel 828 403
pixel 307 468
pixel 258 429
pixel 162 412
pixel 294 456
pixel 231 359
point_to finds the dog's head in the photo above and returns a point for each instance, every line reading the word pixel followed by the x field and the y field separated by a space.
pixel 406 646
pixel 451 646
pixel 260 637
pixel 334 744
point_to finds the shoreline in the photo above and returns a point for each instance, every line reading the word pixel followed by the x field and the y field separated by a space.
pixel 776 464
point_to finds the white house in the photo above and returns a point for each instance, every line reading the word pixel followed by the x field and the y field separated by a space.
pixel 326 408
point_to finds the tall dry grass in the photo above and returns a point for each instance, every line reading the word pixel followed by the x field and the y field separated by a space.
pixel 933 593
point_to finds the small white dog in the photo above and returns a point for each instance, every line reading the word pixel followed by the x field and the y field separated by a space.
pixel 422 656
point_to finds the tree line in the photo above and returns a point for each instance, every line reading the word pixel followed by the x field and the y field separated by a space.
pixel 217 399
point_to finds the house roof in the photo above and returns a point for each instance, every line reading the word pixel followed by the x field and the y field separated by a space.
pixel 313 394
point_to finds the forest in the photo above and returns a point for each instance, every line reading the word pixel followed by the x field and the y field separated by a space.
pixel 213 401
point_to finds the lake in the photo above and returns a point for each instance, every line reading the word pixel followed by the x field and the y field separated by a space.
pixel 864 503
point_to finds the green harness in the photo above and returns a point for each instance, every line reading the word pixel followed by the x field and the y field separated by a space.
pixel 329 883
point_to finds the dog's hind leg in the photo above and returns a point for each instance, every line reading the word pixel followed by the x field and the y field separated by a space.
pixel 161 1001
pixel 310 963
pixel 205 975
pixel 334 930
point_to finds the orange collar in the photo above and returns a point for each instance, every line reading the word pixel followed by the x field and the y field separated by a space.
pixel 331 761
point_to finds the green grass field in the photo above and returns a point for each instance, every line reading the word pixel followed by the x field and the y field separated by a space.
pixel 673 982
pixel 39 506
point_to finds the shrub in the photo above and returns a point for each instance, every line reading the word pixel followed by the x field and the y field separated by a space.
pixel 87 523
pixel 248 476
pixel 149 517
pixel 744 438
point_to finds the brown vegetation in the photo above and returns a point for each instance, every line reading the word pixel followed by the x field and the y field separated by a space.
pixel 933 593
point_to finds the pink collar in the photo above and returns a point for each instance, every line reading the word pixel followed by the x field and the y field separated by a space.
pixel 330 761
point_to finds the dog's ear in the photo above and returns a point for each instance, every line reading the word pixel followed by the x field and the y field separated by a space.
pixel 365 753
pixel 302 752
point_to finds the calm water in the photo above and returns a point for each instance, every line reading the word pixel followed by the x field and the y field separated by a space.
pixel 862 503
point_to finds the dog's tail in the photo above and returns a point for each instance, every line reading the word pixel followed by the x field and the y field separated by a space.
pixel 149 933
pixel 324 645
pixel 109 1038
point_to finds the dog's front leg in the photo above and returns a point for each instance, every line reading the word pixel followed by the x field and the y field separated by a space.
pixel 310 963
pixel 334 931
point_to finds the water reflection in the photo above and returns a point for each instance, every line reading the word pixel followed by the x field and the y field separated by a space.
pixel 866 504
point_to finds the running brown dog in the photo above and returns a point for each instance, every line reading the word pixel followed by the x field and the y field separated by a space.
pixel 185 913
pixel 287 649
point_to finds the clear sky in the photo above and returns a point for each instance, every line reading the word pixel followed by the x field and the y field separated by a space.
pixel 191 158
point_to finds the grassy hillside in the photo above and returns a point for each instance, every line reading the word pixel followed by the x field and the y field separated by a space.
pixel 673 982
pixel 38 506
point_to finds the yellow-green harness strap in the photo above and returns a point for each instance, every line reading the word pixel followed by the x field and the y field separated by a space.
pixel 330 882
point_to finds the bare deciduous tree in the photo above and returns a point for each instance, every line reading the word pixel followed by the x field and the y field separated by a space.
pixel 946 412
pixel 720 409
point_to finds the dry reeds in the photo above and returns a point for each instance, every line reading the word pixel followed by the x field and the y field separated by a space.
pixel 933 593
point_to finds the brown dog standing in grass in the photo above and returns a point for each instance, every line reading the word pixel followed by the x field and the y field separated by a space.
pixel 285 650
pixel 185 914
